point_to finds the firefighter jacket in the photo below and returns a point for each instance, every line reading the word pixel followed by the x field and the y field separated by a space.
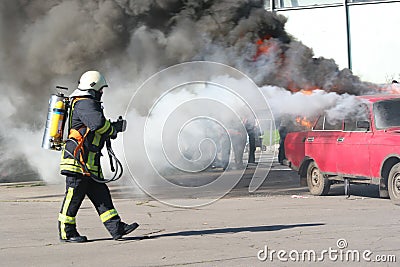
pixel 88 131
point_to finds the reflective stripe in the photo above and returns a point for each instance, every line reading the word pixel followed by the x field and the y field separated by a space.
pixel 96 139
pixel 76 169
pixel 72 163
pixel 63 153
pixel 67 164
pixel 66 167
pixel 68 198
pixel 62 230
pixel 69 161
pixel 105 127
pixel 108 215
pixel 66 219
pixel 100 176
pixel 91 157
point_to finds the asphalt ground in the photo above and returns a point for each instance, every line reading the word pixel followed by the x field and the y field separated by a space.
pixel 280 220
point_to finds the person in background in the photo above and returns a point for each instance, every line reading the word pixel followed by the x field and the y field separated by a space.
pixel 253 132
pixel 283 131
pixel 232 140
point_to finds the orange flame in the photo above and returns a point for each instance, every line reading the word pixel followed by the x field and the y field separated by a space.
pixel 305 89
pixel 267 45
pixel 307 92
pixel 303 121
pixel 262 48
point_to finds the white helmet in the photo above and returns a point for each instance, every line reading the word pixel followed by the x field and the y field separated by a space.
pixel 92 80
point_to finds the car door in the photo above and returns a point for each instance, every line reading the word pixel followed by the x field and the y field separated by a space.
pixel 353 150
pixel 321 144
pixel 295 148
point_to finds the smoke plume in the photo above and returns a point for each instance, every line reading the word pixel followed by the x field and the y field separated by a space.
pixel 52 42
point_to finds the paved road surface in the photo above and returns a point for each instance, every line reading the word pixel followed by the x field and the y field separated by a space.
pixel 281 216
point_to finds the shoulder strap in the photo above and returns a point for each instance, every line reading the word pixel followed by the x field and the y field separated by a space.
pixel 73 102
pixel 75 134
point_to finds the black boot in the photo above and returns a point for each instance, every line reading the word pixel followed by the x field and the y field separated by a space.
pixel 75 239
pixel 125 229
pixel 70 233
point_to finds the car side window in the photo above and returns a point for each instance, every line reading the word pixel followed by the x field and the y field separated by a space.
pixel 350 123
pixel 334 125
pixel 319 125
pixel 324 124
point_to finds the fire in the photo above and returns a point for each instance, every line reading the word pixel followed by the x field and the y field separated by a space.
pixel 270 47
pixel 266 46
pixel 305 89
pixel 303 121
pixel 306 92
pixel 263 48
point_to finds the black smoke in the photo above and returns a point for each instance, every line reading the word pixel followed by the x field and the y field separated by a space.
pixel 52 42
pixel 45 41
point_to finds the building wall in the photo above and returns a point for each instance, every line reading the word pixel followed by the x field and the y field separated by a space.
pixel 373 33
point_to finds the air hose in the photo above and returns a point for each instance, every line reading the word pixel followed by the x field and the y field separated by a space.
pixel 118 170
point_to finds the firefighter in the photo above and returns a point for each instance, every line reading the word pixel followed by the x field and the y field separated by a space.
pixel 235 138
pixel 88 132
pixel 283 131
pixel 251 132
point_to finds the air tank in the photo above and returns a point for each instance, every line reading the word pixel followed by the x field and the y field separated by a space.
pixel 56 118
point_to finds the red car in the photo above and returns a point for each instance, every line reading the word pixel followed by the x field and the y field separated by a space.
pixel 359 149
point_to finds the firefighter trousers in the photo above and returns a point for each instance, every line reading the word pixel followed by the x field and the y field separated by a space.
pixel 77 187
pixel 252 147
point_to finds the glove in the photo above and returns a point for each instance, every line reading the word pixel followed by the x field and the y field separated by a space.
pixel 119 125
pixel 114 135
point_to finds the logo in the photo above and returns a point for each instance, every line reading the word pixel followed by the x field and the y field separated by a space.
pixel 186 119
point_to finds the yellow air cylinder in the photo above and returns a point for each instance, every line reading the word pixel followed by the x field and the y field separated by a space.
pixel 57 119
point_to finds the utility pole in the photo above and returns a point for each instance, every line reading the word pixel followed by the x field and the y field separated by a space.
pixel 272 5
pixel 348 35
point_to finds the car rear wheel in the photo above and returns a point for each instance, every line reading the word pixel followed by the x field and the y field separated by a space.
pixel 394 184
pixel 318 185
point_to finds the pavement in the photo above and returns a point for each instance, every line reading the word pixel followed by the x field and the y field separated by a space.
pixel 280 220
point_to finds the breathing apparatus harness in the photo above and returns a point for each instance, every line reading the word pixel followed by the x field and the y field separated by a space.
pixel 53 136
pixel 76 137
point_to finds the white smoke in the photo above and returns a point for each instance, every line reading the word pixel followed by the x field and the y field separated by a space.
pixel 300 104
pixel 179 130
